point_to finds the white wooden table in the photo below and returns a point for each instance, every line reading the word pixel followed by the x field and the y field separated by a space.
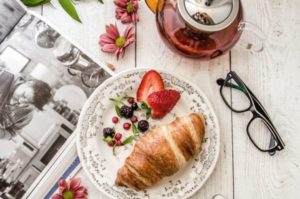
pixel 242 171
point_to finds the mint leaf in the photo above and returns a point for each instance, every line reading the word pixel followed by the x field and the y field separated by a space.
pixel 128 140
pixel 147 108
pixel 148 113
pixel 101 1
pixel 144 105
pixel 118 110
pixel 126 97
pixel 134 129
pixel 117 101
pixel 107 139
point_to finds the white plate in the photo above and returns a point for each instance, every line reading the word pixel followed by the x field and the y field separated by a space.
pixel 97 158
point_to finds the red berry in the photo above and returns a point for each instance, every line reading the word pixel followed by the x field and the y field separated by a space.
pixel 151 82
pixel 112 143
pixel 162 102
pixel 126 126
pixel 115 119
pixel 130 100
pixel 118 136
pixel 134 118
pixel 119 143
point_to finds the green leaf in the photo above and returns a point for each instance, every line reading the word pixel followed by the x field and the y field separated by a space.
pixel 101 1
pixel 126 97
pixel 107 139
pixel 114 150
pixel 33 3
pixel 134 129
pixel 70 9
pixel 118 110
pixel 117 101
pixel 128 140
pixel 148 110
pixel 144 105
pixel 148 113
pixel 114 100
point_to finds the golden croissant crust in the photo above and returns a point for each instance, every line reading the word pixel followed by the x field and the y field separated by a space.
pixel 162 152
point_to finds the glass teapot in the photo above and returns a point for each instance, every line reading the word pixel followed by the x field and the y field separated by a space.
pixel 205 29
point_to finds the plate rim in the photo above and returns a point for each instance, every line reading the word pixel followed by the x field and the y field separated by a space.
pixel 144 69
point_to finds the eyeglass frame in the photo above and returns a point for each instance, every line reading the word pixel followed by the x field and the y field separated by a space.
pixel 256 108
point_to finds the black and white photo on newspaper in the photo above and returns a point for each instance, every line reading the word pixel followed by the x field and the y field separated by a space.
pixel 44 82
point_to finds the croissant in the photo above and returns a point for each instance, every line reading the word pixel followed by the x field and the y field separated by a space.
pixel 162 152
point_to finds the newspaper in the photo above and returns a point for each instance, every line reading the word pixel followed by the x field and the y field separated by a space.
pixel 44 81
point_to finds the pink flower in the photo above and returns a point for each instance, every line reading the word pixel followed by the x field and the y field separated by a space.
pixel 126 10
pixel 112 42
pixel 71 191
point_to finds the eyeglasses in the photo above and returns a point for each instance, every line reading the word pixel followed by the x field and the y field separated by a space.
pixel 260 128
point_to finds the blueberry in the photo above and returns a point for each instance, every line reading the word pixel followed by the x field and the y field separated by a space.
pixel 126 111
pixel 108 132
pixel 134 106
pixel 143 125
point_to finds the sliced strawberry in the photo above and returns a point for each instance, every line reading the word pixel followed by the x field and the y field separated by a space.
pixel 151 82
pixel 162 102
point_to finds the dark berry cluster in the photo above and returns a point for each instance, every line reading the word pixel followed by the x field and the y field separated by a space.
pixel 114 139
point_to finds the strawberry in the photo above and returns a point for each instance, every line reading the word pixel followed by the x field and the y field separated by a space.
pixel 162 102
pixel 151 82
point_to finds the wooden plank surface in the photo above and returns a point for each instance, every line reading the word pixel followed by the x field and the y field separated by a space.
pixel 242 172
pixel 274 77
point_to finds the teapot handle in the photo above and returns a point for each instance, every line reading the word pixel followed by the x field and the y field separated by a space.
pixel 253 38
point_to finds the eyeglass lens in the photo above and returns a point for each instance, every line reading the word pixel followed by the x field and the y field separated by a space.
pixel 240 101
pixel 260 134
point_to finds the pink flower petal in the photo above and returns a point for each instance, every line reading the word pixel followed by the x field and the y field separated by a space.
pixel 110 48
pixel 74 184
pixel 112 31
pixel 57 196
pixel 120 53
pixel 129 32
pixel 120 3
pixel 82 197
pixel 104 39
pixel 80 193
pixel 135 5
pixel 135 17
pixel 126 18
pixel 63 184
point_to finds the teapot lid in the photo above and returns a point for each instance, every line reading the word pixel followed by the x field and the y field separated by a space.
pixel 209 15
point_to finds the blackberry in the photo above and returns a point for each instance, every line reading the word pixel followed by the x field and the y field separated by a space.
pixel 143 125
pixel 108 132
pixel 134 106
pixel 126 111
